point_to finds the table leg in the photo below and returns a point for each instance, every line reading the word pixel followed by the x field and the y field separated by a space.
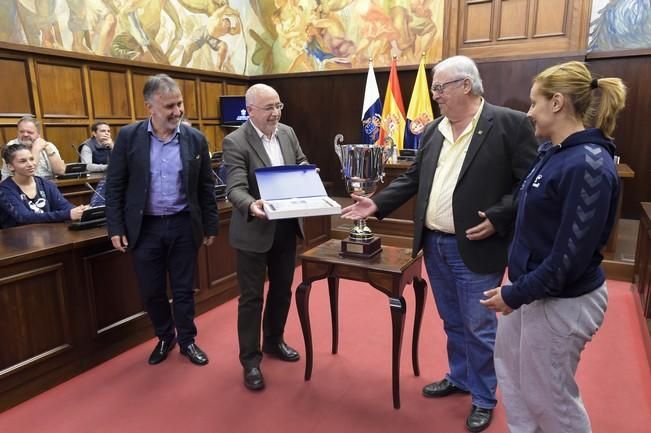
pixel 419 289
pixel 398 310
pixel 302 305
pixel 333 289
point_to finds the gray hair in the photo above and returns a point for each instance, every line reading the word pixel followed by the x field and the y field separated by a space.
pixel 253 91
pixel 29 118
pixel 161 83
pixel 462 67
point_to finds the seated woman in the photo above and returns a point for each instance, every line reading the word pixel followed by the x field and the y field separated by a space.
pixel 29 199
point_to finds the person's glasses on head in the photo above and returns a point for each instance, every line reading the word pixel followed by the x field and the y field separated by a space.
pixel 271 108
pixel 440 87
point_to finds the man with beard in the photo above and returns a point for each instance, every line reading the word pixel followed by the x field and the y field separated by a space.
pixel 46 155
pixel 160 205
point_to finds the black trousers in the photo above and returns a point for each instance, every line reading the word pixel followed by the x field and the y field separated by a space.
pixel 279 263
pixel 166 248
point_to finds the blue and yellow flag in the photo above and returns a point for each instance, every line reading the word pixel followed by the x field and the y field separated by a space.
pixel 393 113
pixel 371 110
pixel 420 109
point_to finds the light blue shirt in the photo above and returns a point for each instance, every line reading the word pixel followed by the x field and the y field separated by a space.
pixel 166 194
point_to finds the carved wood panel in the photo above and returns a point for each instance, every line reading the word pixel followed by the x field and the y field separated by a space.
pixel 61 90
pixel 110 94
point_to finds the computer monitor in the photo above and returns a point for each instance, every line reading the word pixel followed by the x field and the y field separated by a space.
pixel 233 110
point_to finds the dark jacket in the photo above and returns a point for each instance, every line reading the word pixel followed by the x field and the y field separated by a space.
pixel 15 210
pixel 128 176
pixel 565 214
pixel 499 155
pixel 101 154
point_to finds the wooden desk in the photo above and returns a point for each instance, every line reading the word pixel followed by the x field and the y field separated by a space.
pixel 389 272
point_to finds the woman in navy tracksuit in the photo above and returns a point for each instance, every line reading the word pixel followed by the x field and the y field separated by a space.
pixel 556 298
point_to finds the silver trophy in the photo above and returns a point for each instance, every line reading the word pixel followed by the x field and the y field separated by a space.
pixel 362 168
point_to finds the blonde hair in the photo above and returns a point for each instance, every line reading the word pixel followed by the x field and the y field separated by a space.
pixel 574 80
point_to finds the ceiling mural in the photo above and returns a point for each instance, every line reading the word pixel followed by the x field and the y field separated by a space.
pixel 234 36
pixel 620 25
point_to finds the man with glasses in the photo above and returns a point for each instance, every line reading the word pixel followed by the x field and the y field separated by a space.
pixel 262 246
pixel 470 163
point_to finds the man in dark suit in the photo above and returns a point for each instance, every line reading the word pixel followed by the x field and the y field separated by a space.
pixel 160 205
pixel 262 245
pixel 466 171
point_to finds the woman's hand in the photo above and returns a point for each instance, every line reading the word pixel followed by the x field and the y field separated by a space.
pixel 75 212
pixel 495 301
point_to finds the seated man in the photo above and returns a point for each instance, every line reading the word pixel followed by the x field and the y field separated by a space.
pixel 96 151
pixel 46 155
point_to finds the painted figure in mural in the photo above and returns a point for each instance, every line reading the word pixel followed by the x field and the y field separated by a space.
pixel 39 23
pixel 422 25
pixel 140 22
pixel 376 35
pixel 622 25
pixel 224 21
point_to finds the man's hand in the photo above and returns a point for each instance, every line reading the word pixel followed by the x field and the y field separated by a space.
pixel 495 301
pixel 482 230
pixel 208 240
pixel 38 145
pixel 256 209
pixel 362 208
pixel 120 243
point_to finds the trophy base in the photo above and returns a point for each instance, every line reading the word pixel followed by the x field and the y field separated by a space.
pixel 361 249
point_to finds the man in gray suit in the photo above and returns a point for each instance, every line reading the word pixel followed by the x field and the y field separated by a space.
pixel 470 162
pixel 262 246
pixel 160 206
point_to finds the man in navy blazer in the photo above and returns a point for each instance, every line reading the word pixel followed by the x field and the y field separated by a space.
pixel 464 177
pixel 160 205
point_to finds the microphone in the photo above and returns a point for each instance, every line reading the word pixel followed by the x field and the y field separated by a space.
pixel 95 191
pixel 76 151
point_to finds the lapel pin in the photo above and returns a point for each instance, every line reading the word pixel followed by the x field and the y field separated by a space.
pixel 480 132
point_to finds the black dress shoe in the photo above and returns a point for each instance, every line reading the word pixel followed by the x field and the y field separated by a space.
pixel 441 389
pixel 253 379
pixel 479 419
pixel 282 351
pixel 161 350
pixel 196 355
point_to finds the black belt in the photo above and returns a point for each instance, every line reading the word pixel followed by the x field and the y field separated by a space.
pixel 168 216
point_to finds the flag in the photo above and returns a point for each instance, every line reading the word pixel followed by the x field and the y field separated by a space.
pixel 420 109
pixel 393 112
pixel 371 109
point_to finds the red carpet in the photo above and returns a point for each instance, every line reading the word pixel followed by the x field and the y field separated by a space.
pixel 349 392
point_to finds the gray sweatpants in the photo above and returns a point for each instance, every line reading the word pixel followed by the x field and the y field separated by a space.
pixel 537 351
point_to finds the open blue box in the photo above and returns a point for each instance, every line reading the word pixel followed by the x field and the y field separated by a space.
pixel 291 191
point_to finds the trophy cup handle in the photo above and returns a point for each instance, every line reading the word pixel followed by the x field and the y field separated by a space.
pixel 339 139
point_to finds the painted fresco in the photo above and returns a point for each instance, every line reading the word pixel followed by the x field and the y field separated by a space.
pixel 620 25
pixel 237 36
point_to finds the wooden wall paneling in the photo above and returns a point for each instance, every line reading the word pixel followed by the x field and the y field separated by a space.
pixel 109 94
pixel 66 136
pixel 35 316
pixel 511 24
pixel 214 134
pixel 551 18
pixel 61 90
pixel 478 21
pixel 236 89
pixel 633 126
pixel 7 133
pixel 210 93
pixel 138 81
pixel 189 92
pixel 524 27
pixel 16 97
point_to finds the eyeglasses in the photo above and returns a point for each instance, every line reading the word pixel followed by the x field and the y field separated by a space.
pixel 270 108
pixel 440 88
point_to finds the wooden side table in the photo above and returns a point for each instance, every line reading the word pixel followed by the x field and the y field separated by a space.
pixel 389 272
